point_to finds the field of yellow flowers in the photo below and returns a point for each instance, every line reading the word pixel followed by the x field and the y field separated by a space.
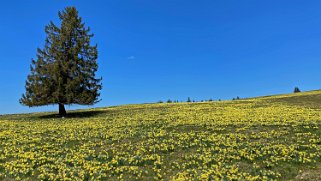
pixel 268 138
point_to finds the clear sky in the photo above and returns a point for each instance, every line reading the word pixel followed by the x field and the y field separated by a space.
pixel 160 49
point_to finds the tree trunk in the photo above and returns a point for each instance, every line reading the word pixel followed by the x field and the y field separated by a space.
pixel 62 110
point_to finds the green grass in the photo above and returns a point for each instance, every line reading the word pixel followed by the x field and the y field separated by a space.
pixel 271 137
pixel 310 99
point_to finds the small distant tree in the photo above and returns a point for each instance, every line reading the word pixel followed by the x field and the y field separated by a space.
pixel 296 90
pixel 169 101
pixel 160 102
pixel 189 99
pixel 210 100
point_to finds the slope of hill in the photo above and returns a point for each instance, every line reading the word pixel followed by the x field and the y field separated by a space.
pixel 272 137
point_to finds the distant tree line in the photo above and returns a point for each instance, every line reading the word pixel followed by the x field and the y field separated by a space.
pixel 236 98
pixel 187 100
pixel 296 90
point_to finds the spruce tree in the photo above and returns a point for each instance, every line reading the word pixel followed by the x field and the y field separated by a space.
pixel 63 72
pixel 296 90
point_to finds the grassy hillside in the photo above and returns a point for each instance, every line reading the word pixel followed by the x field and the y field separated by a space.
pixel 272 137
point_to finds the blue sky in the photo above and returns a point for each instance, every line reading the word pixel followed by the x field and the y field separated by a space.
pixel 160 49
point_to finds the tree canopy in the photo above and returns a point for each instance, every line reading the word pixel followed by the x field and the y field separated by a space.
pixel 64 70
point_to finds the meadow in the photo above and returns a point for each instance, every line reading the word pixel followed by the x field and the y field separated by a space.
pixel 265 138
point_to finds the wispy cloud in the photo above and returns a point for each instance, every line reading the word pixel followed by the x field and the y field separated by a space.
pixel 131 57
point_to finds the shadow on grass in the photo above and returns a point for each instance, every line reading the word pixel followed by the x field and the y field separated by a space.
pixel 76 114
